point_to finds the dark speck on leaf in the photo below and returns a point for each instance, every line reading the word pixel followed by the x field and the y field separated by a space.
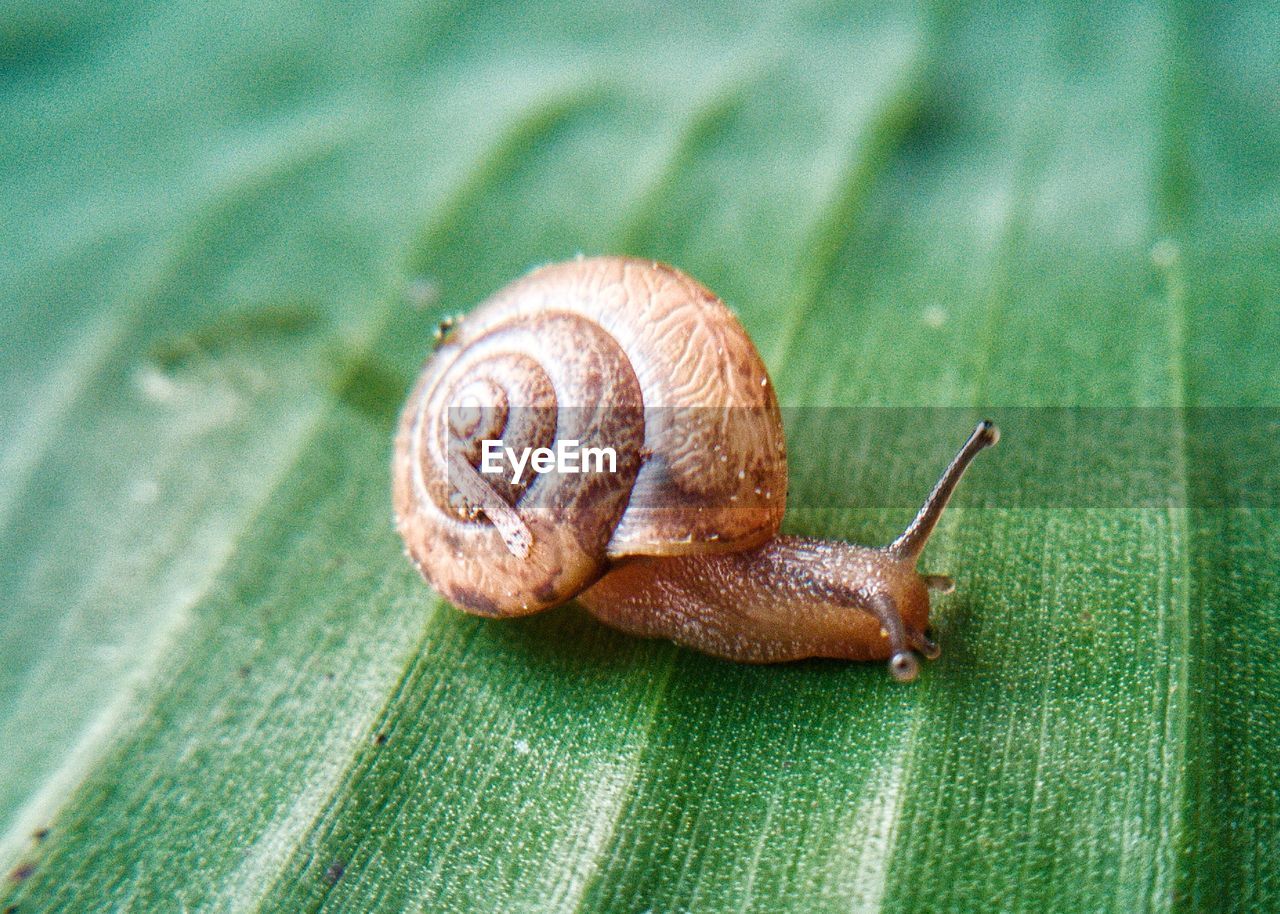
pixel 369 386
pixel 41 834
pixel 334 872
pixel 12 909
pixel 380 739
pixel 245 670
pixel 22 872
pixel 270 324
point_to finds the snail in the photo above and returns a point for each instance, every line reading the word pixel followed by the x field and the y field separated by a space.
pixel 679 537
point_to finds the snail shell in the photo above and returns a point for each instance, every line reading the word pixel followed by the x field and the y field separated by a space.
pixel 610 352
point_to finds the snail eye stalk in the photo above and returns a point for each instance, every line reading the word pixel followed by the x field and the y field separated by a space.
pixel 913 539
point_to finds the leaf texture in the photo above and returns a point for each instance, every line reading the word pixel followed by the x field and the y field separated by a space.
pixel 229 232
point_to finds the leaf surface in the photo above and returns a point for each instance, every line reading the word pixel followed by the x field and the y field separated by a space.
pixel 229 233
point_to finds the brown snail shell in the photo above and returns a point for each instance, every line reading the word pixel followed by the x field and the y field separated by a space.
pixel 610 351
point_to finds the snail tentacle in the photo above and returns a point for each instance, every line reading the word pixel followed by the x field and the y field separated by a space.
pixel 902 663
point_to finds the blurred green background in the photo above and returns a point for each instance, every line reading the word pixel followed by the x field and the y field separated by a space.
pixel 226 233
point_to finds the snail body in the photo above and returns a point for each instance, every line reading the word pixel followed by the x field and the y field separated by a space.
pixel 680 538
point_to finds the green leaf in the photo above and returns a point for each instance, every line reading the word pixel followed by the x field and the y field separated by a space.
pixel 229 231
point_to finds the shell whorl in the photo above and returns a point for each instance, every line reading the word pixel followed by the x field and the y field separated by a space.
pixel 525 382
pixel 612 352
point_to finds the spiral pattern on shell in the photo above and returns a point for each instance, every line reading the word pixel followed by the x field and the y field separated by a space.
pixel 610 352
